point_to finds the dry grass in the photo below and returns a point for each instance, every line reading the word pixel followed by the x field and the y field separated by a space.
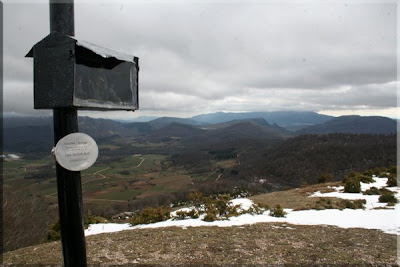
pixel 294 198
pixel 228 163
pixel 259 244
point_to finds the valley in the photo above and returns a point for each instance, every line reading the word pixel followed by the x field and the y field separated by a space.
pixel 159 162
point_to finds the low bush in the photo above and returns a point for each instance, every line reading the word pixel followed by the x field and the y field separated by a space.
pixel 196 198
pixel 351 175
pixel 277 211
pixel 304 184
pixel 181 215
pixel 325 177
pixel 55 229
pixel 354 204
pixel 365 178
pixel 376 171
pixel 219 207
pixel 92 219
pixel 393 170
pixel 324 203
pixel 327 203
pixel 254 209
pixel 372 191
pixel 54 233
pixel 151 215
pixel 352 185
pixel 383 174
pixel 392 180
pixel 388 198
pixel 380 172
pixel 124 172
pixel 210 217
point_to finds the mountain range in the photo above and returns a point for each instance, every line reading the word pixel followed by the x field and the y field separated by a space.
pixel 29 134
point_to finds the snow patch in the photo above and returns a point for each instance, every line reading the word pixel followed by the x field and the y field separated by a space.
pixel 386 220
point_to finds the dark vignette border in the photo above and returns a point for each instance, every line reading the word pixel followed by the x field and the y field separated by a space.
pixel 1 132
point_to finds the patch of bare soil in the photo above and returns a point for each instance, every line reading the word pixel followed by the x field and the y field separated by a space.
pixel 260 244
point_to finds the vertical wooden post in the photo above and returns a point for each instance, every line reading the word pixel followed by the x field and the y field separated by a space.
pixel 69 187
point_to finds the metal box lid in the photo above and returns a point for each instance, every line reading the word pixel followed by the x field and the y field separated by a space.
pixel 72 73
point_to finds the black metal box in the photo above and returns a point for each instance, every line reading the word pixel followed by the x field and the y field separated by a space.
pixel 69 73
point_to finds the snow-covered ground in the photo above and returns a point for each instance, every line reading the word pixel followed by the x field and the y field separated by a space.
pixel 10 156
pixel 386 220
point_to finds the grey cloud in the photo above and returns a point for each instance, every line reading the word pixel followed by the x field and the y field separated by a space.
pixel 230 56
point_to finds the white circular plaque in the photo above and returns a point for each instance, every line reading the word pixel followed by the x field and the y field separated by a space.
pixel 76 151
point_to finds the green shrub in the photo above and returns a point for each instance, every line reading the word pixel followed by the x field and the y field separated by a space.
pixel 53 236
pixel 210 217
pixel 181 215
pixel 376 171
pixel 263 206
pixel 383 175
pixel 277 211
pixel 151 215
pixel 352 186
pixel 55 229
pixel 304 184
pixel 388 198
pixel 54 233
pixel 351 175
pixel 393 170
pixel 221 204
pixel 366 179
pixel 219 207
pixel 354 204
pixel 196 198
pixel 234 172
pixel 325 177
pixel 368 172
pixel 193 214
pixel 323 203
pixel 233 211
pixel 254 209
pixel 372 191
pixel 392 180
pixel 328 203
pixel 91 219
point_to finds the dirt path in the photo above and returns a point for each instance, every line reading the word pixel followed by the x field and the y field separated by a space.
pixel 97 173
pixel 139 163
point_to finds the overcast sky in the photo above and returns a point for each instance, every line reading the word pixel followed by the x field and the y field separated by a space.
pixel 336 57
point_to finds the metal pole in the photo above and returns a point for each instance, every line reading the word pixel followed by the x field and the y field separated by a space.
pixel 69 187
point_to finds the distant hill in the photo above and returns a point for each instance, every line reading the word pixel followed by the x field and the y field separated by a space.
pixel 100 128
pixel 164 121
pixel 285 119
pixel 35 134
pixel 245 130
pixel 259 121
pixel 27 134
pixel 138 119
pixel 28 139
pixel 174 130
pixel 12 122
pixel 353 124
pixel 306 157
